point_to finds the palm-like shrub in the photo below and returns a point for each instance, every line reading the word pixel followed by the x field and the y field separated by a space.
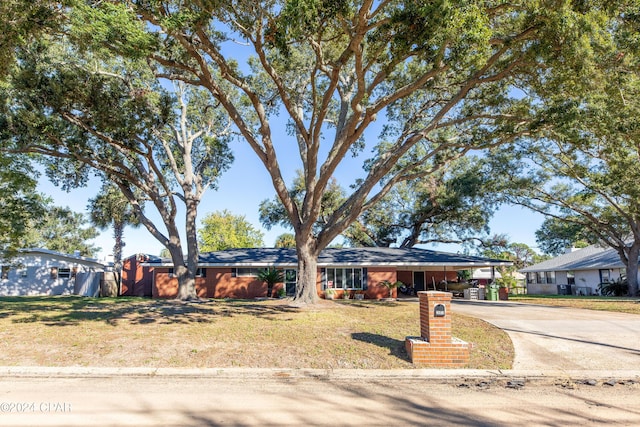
pixel 617 288
pixel 271 276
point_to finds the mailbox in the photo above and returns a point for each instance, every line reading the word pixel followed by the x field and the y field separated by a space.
pixel 439 310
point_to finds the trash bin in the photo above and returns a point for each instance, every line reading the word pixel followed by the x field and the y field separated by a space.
pixel 503 294
pixel 492 292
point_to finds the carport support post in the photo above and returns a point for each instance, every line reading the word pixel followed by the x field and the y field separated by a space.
pixel 436 346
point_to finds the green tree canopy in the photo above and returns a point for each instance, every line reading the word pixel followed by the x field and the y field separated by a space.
pixel 273 212
pixel 499 247
pixel 21 204
pixel 23 21
pixel 451 205
pixel 62 230
pixel 442 75
pixel 286 240
pixel 581 170
pixel 89 112
pixel 449 76
pixel 223 230
pixel 556 235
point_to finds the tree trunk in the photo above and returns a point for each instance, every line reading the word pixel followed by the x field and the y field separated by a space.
pixel 186 284
pixel 306 290
pixel 632 268
pixel 118 232
pixel 186 278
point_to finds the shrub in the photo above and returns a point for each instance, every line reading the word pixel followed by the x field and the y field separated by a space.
pixel 617 288
pixel 270 276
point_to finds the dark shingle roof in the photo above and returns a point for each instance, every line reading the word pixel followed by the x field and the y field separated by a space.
pixel 281 257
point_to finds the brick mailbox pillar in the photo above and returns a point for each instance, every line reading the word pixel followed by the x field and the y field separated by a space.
pixel 435 346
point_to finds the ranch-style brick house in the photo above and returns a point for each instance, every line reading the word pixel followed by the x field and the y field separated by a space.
pixel 233 273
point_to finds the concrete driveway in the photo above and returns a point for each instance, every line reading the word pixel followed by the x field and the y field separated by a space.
pixel 558 338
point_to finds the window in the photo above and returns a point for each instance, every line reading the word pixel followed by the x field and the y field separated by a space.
pixel 290 277
pixel 64 273
pixel 571 278
pixel 605 276
pixel 540 277
pixel 5 272
pixel 550 277
pixel 344 278
pixel 531 277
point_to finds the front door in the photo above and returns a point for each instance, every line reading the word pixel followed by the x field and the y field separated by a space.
pixel 418 281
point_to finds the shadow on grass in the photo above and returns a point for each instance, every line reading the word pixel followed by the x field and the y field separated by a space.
pixel 369 303
pixel 72 310
pixel 396 347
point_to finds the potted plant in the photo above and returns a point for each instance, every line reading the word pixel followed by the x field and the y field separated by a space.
pixel 270 276
pixel 346 294
pixel 329 293
pixel 282 293
pixel 505 282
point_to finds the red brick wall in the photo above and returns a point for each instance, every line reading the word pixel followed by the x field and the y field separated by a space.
pixel 136 280
pixel 163 285
pixel 221 284
pixel 405 277
pixel 218 283
pixel 375 275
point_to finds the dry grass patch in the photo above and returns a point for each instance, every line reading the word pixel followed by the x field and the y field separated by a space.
pixel 622 305
pixel 74 331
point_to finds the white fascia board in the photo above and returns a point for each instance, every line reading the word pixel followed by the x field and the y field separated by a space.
pixel 224 265
pixel 455 266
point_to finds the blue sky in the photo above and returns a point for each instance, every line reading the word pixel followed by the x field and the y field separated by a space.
pixel 245 185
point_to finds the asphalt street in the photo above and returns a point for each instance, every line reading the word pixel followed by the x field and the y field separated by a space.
pixel 301 401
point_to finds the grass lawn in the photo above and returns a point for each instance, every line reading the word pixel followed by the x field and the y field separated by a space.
pixel 623 305
pixel 76 331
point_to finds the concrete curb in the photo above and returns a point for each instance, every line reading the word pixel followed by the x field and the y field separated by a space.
pixel 452 376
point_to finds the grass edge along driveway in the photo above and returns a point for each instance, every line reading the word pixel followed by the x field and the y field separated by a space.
pixel 616 304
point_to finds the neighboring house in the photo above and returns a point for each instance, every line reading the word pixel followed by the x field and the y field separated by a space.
pixel 233 273
pixel 45 272
pixel 577 272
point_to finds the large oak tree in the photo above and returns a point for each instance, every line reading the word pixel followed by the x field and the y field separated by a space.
pixel 443 75
pixel 85 111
